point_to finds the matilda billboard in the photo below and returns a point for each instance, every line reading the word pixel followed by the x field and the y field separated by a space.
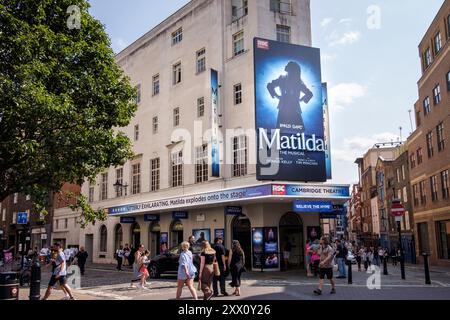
pixel 289 112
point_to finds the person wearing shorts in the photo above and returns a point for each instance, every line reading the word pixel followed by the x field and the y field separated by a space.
pixel 59 274
pixel 325 266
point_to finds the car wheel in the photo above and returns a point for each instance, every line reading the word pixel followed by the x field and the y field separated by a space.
pixel 153 271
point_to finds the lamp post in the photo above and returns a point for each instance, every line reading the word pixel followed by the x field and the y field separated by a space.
pixel 118 185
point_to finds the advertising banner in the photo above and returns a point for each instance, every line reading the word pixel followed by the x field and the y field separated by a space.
pixel 313 233
pixel 289 112
pixel 219 233
pixel 258 249
pixel 312 206
pixel 202 235
pixel 271 248
pixel 215 159
pixel 151 217
pixel 233 210
pixel 164 240
pixel 326 124
pixel 127 219
pixel 311 191
pixel 180 215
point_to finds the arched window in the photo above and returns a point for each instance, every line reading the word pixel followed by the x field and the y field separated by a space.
pixel 103 238
pixel 118 237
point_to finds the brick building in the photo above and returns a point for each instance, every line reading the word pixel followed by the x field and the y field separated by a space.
pixel 429 152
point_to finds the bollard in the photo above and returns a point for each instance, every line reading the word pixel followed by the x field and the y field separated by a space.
pixel 427 268
pixel 385 270
pixel 350 276
pixel 35 282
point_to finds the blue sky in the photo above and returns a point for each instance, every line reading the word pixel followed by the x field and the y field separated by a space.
pixel 369 59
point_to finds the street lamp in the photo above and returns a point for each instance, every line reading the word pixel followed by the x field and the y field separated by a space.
pixel 118 185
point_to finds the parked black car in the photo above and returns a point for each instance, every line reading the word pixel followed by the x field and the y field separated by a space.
pixel 167 263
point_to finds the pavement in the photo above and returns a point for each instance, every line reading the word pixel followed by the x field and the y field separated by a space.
pixel 103 282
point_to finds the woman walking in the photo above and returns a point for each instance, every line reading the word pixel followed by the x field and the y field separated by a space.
pixel 236 263
pixel 308 258
pixel 206 273
pixel 315 257
pixel 359 256
pixel 186 271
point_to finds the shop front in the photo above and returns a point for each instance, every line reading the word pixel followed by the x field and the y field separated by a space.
pixel 272 230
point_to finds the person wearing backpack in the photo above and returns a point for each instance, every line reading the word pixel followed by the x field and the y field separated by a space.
pixel 341 255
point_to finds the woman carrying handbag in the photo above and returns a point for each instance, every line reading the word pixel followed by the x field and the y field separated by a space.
pixel 207 270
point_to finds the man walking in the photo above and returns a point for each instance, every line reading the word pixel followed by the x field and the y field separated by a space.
pixel 220 256
pixel 341 254
pixel 326 265
pixel 82 256
pixel 59 274
pixel 119 258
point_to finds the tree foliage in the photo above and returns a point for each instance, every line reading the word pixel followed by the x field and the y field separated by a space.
pixel 62 96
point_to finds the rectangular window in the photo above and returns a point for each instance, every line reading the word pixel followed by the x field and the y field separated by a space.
pixel 136 178
pixel 240 157
pixel 428 58
pixel 422 229
pixel 281 6
pixel 440 136
pixel 419 156
pixel 430 148
pixel 201 60
pixel 104 193
pixel 437 94
pixel 177 36
pixel 443 235
pixel 283 33
pixel 447 79
pixel 200 107
pixel 27 197
pixel 405 194
pixel 4 215
pixel 238 93
pixel 426 106
pixel 433 188
pixel 176 117
pixel 423 193
pixel 16 198
pixel 155 125
pixel 238 43
pixel 445 184
pixel 437 43
pixel 155 84
pixel 412 160
pixel 176 73
pixel 403 172
pixel 201 164
pixel 177 169
pixel 136 132
pixel 239 9
pixel 138 93
pixel 155 174
pixel 416 194
pixel 66 223
pixel 398 174
pixel 119 181
pixel 91 194
pixel 14 217
pixel 418 118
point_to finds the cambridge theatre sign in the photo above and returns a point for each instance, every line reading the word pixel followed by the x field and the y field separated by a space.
pixel 265 191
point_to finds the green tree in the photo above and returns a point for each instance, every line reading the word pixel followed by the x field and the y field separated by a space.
pixel 62 99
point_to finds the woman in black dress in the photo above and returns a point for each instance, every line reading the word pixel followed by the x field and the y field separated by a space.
pixel 206 274
pixel 236 263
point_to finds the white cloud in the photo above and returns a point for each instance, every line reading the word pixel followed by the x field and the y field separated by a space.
pixel 325 22
pixel 118 44
pixel 329 57
pixel 357 146
pixel 345 21
pixel 345 94
pixel 347 38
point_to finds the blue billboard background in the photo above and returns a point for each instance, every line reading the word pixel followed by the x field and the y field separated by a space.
pixel 288 98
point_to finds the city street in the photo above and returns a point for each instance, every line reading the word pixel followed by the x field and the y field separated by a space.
pixel 101 282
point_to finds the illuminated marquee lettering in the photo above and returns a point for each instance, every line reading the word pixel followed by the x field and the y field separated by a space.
pixel 290 142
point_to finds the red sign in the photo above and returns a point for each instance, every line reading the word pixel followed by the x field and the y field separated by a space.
pixel 278 190
pixel 397 209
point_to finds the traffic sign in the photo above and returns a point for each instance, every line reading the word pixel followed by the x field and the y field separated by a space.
pixel 397 208
pixel 22 218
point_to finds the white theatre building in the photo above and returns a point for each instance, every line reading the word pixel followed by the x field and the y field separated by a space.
pixel 167 191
